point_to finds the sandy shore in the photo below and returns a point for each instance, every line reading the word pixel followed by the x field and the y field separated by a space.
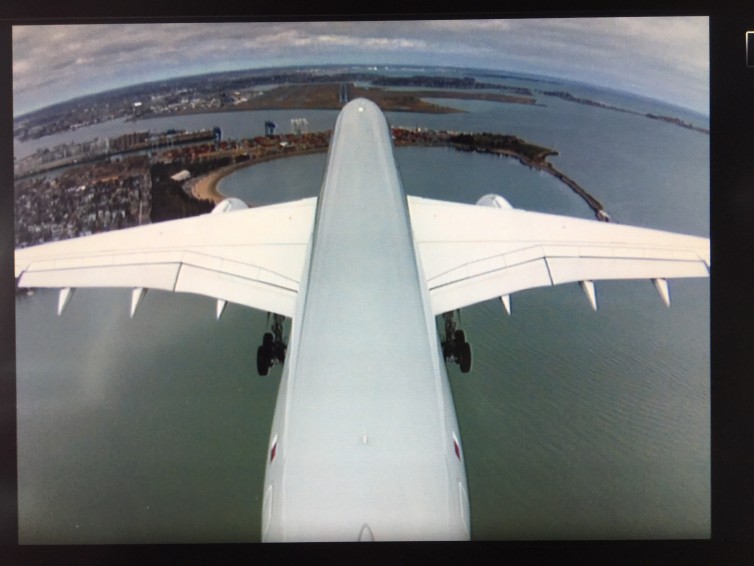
pixel 205 187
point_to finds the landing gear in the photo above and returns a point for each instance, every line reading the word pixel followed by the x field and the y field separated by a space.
pixel 264 362
pixel 455 348
pixel 464 357
pixel 272 350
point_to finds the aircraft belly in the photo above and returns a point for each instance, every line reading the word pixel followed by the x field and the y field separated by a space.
pixel 366 437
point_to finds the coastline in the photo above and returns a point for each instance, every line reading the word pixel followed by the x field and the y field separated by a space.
pixel 206 187
pixel 326 96
pixel 547 167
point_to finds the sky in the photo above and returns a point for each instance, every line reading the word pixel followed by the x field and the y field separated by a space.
pixel 662 58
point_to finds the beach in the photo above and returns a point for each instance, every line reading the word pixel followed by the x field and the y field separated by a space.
pixel 205 187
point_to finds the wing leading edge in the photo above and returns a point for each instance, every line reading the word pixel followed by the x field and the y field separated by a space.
pixel 474 253
pixel 253 257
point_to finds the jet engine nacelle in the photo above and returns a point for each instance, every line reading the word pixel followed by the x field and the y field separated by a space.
pixel 495 201
pixel 229 205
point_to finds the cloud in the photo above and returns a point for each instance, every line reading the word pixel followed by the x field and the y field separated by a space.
pixel 664 56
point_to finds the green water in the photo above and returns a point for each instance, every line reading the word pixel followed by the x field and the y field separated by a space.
pixel 575 424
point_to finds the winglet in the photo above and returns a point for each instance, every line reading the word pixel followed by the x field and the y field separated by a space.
pixel 588 288
pixel 662 287
pixel 506 303
pixel 137 295
pixel 65 296
pixel 220 308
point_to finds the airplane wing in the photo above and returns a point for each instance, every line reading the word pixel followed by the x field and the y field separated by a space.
pixel 472 253
pixel 253 257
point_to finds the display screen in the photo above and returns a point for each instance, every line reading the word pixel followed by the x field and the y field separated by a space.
pixel 582 407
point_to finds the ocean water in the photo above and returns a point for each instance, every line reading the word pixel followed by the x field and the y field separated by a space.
pixel 575 424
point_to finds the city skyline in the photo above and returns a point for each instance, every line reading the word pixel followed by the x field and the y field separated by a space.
pixel 661 58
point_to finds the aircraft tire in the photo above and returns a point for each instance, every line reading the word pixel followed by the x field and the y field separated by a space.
pixel 465 357
pixel 263 360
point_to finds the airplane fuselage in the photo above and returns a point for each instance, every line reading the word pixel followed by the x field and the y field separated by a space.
pixel 365 441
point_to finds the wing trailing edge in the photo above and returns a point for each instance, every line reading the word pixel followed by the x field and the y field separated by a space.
pixel 253 257
pixel 474 253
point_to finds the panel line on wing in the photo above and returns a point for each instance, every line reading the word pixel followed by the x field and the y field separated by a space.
pixel 178 265
pixel 32 269
pixel 177 275
pixel 549 272
pixel 258 280
pixel 480 274
pixel 541 251
pixel 545 260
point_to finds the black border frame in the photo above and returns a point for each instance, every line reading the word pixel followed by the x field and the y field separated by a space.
pixel 732 288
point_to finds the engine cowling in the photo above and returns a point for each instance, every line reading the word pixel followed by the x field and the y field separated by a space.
pixel 495 201
pixel 229 205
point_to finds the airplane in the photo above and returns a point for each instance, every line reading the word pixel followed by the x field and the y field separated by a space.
pixel 365 443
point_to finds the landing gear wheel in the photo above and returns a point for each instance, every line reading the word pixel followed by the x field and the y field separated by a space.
pixel 465 357
pixel 263 360
pixel 272 350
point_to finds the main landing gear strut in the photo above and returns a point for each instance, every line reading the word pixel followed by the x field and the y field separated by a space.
pixel 455 348
pixel 272 350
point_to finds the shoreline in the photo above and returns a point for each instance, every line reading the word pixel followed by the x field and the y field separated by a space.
pixel 539 163
pixel 325 96
pixel 547 167
pixel 206 187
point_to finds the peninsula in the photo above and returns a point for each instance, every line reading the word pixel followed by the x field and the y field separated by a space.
pixel 567 96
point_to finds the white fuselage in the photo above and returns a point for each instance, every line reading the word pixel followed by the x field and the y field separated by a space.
pixel 364 441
